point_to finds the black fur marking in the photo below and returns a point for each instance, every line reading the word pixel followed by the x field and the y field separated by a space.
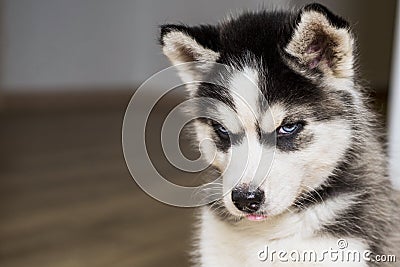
pixel 294 142
pixel 217 92
pixel 277 81
pixel 223 144
pixel 267 139
pixel 287 143
pixel 205 35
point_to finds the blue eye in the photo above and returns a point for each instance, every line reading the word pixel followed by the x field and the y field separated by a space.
pixel 221 131
pixel 289 128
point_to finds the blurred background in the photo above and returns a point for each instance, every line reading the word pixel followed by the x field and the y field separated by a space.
pixel 68 69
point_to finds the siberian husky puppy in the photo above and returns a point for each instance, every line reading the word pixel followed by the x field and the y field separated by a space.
pixel 291 105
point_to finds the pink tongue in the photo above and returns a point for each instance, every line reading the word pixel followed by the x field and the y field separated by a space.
pixel 255 217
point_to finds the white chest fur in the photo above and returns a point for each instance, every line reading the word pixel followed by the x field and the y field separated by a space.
pixel 265 244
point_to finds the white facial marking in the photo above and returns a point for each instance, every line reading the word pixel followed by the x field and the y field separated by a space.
pixel 273 118
pixel 245 93
pixel 246 96
pixel 229 118
pixel 244 158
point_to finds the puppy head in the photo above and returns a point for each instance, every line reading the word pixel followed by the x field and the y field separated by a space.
pixel 279 111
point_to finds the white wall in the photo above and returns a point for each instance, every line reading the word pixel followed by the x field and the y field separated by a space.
pixel 61 43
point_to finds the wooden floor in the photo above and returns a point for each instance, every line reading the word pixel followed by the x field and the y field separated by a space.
pixel 67 199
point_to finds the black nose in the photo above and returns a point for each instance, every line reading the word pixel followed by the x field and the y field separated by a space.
pixel 247 200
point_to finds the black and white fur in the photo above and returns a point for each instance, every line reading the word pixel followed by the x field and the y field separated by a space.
pixel 328 179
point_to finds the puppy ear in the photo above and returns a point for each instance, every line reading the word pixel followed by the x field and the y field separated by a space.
pixel 322 42
pixel 183 44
